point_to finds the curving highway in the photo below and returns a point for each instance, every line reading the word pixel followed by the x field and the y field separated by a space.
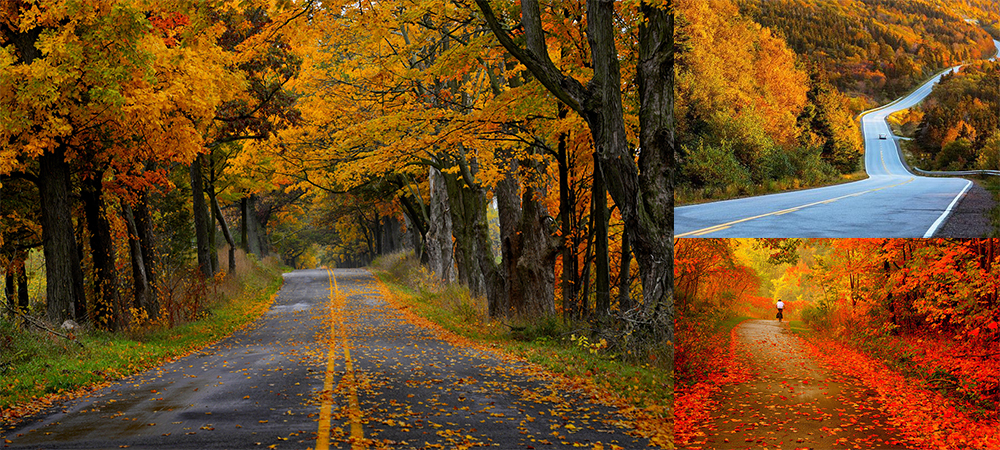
pixel 891 202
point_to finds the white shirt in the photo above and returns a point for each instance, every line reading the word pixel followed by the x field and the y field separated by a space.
pixel 781 304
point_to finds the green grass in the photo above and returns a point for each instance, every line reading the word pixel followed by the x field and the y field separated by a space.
pixel 730 323
pixel 34 363
pixel 992 184
pixel 546 341
pixel 686 195
pixel 800 328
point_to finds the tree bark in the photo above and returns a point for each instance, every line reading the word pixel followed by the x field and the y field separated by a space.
pixel 10 286
pixel 539 248
pixel 225 232
pixel 258 242
pixel 509 212
pixel 528 245
pixel 201 219
pixel 22 287
pixel 624 275
pixel 477 266
pixel 440 248
pixel 213 252
pixel 144 298
pixel 64 276
pixel 651 225
pixel 602 262
pixel 109 312
pixel 244 231
pixel 144 224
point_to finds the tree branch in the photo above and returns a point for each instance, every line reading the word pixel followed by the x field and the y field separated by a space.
pixel 566 89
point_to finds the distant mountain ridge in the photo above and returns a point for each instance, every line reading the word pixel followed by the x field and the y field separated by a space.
pixel 880 48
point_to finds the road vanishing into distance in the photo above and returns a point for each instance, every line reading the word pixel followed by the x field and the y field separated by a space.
pixel 332 364
pixel 891 202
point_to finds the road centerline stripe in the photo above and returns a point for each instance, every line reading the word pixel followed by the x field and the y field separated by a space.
pixel 723 226
pixel 339 334
pixel 325 412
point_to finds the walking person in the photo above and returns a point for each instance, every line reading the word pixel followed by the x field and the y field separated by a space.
pixel 781 306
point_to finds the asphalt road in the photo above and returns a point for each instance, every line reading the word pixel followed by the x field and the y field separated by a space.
pixel 330 365
pixel 891 202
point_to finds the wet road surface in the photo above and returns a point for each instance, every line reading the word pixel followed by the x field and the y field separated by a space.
pixel 330 365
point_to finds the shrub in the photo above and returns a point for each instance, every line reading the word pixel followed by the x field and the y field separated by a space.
pixel 714 166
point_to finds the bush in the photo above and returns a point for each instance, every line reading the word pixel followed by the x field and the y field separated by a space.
pixel 818 315
pixel 714 166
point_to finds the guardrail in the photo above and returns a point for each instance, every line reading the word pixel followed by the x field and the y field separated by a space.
pixel 952 173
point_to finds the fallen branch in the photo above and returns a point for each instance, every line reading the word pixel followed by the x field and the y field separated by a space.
pixel 34 322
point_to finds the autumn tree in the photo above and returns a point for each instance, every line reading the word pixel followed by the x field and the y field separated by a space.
pixel 86 94
pixel 643 192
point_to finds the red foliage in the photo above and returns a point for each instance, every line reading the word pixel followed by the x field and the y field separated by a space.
pixel 927 419
pixel 693 403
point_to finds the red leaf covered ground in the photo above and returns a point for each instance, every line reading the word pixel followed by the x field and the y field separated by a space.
pixel 792 393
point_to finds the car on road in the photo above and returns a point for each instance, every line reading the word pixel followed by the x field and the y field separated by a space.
pixel 881 136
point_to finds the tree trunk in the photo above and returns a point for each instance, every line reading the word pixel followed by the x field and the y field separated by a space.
pixel 567 222
pixel 144 298
pixel 509 212
pixel 257 239
pixel 225 232
pixel 146 240
pixel 440 248
pixel 392 236
pixel 22 287
pixel 64 277
pixel 477 267
pixel 624 275
pixel 539 248
pixel 602 264
pixel 646 201
pixel 10 286
pixel 528 245
pixel 415 216
pixel 109 312
pixel 213 249
pixel 201 220
pixel 244 229
pixel 651 225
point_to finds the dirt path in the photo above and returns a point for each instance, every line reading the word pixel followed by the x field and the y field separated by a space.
pixel 792 402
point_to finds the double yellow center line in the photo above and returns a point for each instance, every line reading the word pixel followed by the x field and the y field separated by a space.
pixel 726 225
pixel 338 333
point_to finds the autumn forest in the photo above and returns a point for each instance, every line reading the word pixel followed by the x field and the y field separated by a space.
pixel 450 224
pixel 911 321
pixel 768 92
pixel 163 163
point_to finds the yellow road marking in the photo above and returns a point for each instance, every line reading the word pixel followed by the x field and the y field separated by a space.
pixel 726 225
pixel 337 332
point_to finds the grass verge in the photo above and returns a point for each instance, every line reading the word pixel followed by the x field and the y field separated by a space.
pixel 546 341
pixel 39 369
pixel 992 184
pixel 686 195
pixel 800 328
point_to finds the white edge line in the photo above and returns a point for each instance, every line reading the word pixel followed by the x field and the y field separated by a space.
pixel 937 223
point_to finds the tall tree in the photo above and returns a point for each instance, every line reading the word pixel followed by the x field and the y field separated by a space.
pixel 643 192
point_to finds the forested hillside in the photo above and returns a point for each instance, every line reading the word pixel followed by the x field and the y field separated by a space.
pixel 749 111
pixel 959 124
pixel 878 48
pixel 768 91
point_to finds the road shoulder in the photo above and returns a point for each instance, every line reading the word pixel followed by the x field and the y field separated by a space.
pixel 970 218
